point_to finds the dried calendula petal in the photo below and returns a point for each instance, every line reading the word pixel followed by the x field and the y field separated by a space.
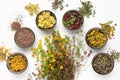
pixel 32 8
pixel 17 62
pixel 96 38
pixel 109 28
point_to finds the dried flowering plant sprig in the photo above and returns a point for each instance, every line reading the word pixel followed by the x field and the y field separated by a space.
pixel 76 48
pixel 61 57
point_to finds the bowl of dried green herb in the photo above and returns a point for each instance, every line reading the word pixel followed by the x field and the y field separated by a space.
pixel 96 38
pixel 72 19
pixel 46 20
pixel 17 63
pixel 102 63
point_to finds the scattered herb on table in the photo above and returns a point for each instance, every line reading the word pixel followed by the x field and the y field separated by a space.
pixel 32 9
pixel 15 25
pixel 87 9
pixel 109 28
pixel 57 4
pixel 61 59
pixel 4 53
pixel 114 54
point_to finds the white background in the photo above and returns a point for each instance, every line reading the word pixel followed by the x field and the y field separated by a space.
pixel 105 10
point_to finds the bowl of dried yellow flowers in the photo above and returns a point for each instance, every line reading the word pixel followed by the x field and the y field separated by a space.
pixel 96 38
pixel 46 20
pixel 102 63
pixel 17 63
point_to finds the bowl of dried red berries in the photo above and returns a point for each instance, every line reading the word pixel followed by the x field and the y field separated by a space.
pixel 72 19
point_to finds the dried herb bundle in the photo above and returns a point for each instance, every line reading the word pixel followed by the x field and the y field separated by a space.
pixel 87 9
pixel 62 58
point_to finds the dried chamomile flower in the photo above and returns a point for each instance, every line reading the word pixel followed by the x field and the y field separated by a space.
pixel 32 8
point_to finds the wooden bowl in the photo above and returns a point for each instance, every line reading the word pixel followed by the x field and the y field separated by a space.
pixel 24 37
pixel 102 63
pixel 72 20
pixel 96 40
pixel 12 62
pixel 52 14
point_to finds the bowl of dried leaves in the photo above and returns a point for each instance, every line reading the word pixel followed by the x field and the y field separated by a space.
pixel 46 20
pixel 72 19
pixel 102 63
pixel 17 63
pixel 96 38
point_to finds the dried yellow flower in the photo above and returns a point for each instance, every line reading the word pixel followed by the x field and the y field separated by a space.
pixel 46 20
pixel 32 8
pixel 61 67
pixel 4 52
pixel 108 28
pixel 96 38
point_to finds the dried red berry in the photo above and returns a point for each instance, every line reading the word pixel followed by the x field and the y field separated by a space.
pixel 74 26
pixel 66 16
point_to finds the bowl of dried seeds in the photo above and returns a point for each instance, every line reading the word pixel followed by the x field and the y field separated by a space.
pixel 96 38
pixel 46 20
pixel 72 19
pixel 17 63
pixel 102 63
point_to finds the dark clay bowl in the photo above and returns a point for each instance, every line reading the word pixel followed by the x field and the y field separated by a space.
pixel 9 65
pixel 52 14
pixel 24 37
pixel 100 30
pixel 102 63
pixel 77 22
